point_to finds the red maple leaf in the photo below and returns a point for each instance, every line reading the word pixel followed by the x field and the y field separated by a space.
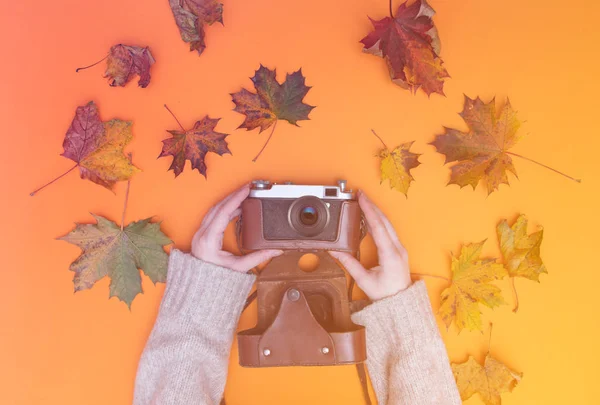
pixel 410 45
pixel 194 144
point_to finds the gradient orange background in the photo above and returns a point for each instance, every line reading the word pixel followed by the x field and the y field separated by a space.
pixel 57 347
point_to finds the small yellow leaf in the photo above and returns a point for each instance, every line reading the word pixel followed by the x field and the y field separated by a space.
pixel 489 381
pixel 471 277
pixel 396 166
pixel 521 252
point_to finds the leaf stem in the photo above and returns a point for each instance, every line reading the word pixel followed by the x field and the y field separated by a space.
pixel 268 139
pixel 543 165
pixel 93 64
pixel 126 198
pixel 47 184
pixel 169 110
pixel 430 275
pixel 490 338
pixel 391 13
pixel 512 284
pixel 378 137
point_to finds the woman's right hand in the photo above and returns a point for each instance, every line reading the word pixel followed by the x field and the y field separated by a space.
pixel 392 275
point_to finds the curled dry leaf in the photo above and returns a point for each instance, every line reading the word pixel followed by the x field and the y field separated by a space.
pixel 471 286
pixel 191 16
pixel 97 147
pixel 489 381
pixel 410 45
pixel 272 101
pixel 194 144
pixel 109 251
pixel 396 165
pixel 124 62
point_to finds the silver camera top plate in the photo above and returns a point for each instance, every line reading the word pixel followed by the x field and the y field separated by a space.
pixel 266 189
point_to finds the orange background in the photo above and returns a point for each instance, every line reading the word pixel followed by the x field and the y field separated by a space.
pixel 57 347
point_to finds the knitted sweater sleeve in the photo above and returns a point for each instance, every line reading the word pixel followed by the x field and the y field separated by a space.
pixel 186 356
pixel 406 357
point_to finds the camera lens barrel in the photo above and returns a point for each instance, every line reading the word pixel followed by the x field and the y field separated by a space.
pixel 308 215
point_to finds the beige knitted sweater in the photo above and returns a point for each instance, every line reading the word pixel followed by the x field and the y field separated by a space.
pixel 186 357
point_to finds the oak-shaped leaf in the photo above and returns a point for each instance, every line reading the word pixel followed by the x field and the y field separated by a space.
pixel 489 381
pixel 396 165
pixel 124 62
pixel 109 251
pixel 191 16
pixel 471 286
pixel 410 45
pixel 481 154
pixel 194 144
pixel 97 147
pixel 521 252
pixel 272 101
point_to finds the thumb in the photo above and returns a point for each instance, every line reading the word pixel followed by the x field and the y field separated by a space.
pixel 251 260
pixel 356 270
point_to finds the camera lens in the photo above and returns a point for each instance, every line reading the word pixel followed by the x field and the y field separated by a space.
pixel 309 216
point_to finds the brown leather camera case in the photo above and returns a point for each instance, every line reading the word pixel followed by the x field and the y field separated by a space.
pixel 303 317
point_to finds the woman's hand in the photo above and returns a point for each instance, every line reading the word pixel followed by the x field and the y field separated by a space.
pixel 207 244
pixel 392 275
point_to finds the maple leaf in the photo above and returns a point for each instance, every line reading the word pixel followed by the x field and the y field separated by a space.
pixel 521 252
pixel 194 144
pixel 118 253
pixel 124 62
pixel 410 45
pixel 396 165
pixel 488 381
pixel 470 286
pixel 97 147
pixel 272 101
pixel 190 17
pixel 481 153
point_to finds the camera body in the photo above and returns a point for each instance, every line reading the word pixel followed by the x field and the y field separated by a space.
pixel 300 217
pixel 303 318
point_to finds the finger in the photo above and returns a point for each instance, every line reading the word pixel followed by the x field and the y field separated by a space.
pixel 235 214
pixel 224 213
pixel 208 218
pixel 353 266
pixel 391 231
pixel 251 260
pixel 375 224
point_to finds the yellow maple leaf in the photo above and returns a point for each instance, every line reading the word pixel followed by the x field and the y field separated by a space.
pixel 396 165
pixel 488 381
pixel 521 252
pixel 471 277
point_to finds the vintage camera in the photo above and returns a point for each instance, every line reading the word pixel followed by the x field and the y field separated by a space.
pixel 300 217
pixel 303 317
